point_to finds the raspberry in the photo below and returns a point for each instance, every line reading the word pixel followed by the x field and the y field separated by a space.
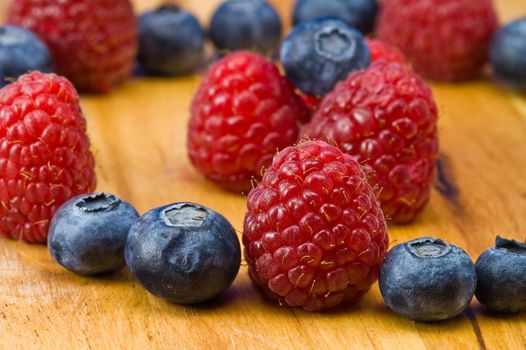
pixel 243 112
pixel 311 102
pixel 314 234
pixel 45 153
pixel 444 39
pixel 93 42
pixel 385 117
pixel 380 50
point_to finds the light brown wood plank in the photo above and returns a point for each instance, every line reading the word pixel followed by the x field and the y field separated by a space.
pixel 139 134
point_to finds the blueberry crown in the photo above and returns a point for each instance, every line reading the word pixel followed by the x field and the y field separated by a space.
pixel 99 201
pixel 11 36
pixel 168 8
pixel 510 245
pixel 184 215
pixel 334 43
pixel 428 247
pixel 334 39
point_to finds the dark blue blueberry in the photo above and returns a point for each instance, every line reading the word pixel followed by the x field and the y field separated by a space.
pixel 183 252
pixel 508 53
pixel 245 25
pixel 360 14
pixel 88 233
pixel 170 41
pixel 21 51
pixel 427 279
pixel 501 276
pixel 319 53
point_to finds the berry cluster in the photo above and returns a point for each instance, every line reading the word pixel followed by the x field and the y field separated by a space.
pixel 337 137
pixel 183 252
pixel 304 227
pixel 427 279
pixel 443 39
pixel 385 117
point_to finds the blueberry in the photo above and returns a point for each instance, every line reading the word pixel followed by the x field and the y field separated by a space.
pixel 501 276
pixel 21 51
pixel 508 53
pixel 319 53
pixel 170 41
pixel 360 14
pixel 245 25
pixel 183 252
pixel 88 233
pixel 427 279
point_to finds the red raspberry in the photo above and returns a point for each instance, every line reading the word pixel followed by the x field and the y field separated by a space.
pixel 243 112
pixel 45 153
pixel 443 39
pixel 311 102
pixel 382 51
pixel 93 42
pixel 385 117
pixel 314 234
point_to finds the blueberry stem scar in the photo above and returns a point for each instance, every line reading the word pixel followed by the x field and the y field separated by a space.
pixel 334 44
pixel 428 247
pixel 99 201
pixel 169 7
pixel 7 38
pixel 184 214
pixel 510 245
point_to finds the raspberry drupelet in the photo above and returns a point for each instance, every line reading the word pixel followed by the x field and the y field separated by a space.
pixel 314 234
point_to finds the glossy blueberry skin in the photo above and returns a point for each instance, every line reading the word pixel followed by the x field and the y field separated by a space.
pixel 319 53
pixel 183 252
pixel 88 233
pixel 501 276
pixel 171 41
pixel 427 279
pixel 360 14
pixel 21 51
pixel 245 25
pixel 508 53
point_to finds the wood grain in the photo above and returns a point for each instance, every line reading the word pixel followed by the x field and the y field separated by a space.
pixel 138 134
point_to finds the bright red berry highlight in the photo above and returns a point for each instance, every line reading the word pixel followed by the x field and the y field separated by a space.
pixel 93 42
pixel 311 102
pixel 381 51
pixel 443 39
pixel 242 114
pixel 45 155
pixel 314 234
pixel 386 118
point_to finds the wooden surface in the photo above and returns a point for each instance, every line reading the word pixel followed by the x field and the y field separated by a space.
pixel 138 134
